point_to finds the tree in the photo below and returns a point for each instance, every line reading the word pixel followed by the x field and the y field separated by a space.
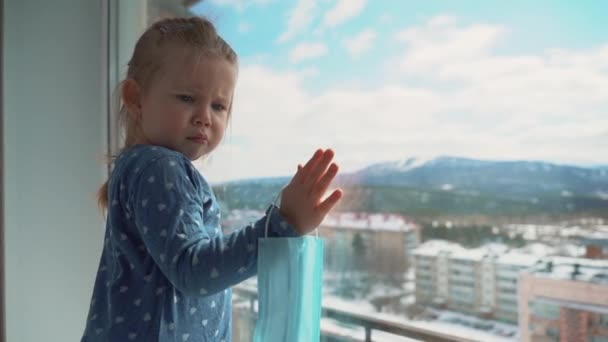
pixel 359 251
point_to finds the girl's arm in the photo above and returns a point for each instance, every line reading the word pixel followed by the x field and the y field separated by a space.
pixel 168 213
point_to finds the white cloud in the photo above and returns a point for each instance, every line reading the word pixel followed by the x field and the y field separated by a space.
pixel 240 5
pixel 343 11
pixel 441 20
pixel 304 51
pixel 244 28
pixel 441 41
pixel 386 19
pixel 298 19
pixel 361 42
pixel 309 72
pixel 554 82
pixel 545 106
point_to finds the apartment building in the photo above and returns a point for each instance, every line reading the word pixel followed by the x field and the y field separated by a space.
pixel 509 266
pixel 480 281
pixel 564 299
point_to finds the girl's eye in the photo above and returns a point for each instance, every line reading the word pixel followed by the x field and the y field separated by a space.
pixel 185 98
pixel 219 107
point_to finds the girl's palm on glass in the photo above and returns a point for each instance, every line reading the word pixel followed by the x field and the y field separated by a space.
pixel 301 202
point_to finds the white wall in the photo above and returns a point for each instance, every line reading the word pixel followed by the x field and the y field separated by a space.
pixel 54 133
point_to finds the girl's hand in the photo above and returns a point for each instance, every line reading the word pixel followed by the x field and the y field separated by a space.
pixel 300 199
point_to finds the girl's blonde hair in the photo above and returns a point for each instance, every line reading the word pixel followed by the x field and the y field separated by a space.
pixel 150 53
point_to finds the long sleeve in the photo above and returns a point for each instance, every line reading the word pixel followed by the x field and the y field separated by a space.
pixel 174 218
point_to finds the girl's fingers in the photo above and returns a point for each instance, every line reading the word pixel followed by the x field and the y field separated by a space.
pixel 330 201
pixel 323 183
pixel 309 165
pixel 320 167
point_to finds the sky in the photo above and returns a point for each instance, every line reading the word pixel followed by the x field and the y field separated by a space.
pixel 387 80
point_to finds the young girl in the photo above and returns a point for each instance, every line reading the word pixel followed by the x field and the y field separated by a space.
pixel 166 268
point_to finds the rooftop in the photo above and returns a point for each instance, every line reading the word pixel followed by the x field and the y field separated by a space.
pixel 456 251
pixel 436 247
pixel 580 269
pixel 503 255
pixel 492 250
pixel 341 220
pixel 516 258
pixel 369 221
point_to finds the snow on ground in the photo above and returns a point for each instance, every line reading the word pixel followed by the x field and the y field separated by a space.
pixel 448 322
pixel 336 328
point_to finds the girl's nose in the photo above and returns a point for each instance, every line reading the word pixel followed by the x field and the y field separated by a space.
pixel 203 117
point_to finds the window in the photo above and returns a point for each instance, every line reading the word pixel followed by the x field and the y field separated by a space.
pixel 603 320
pixel 544 310
pixel 468 137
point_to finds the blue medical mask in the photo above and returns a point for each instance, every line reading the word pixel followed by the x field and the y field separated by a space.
pixel 290 279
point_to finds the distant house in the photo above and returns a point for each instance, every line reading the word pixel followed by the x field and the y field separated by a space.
pixel 596 243
pixel 378 243
pixel 384 246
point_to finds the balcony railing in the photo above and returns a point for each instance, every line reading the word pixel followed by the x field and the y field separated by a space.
pixel 369 322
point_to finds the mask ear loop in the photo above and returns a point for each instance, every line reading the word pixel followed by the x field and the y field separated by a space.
pixel 274 203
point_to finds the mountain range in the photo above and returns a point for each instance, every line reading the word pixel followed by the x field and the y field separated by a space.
pixel 452 185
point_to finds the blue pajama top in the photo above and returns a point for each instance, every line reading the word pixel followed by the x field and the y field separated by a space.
pixel 166 267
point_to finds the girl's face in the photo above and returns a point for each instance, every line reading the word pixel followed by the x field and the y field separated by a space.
pixel 185 107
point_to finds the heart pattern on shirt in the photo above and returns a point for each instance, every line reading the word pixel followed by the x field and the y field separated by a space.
pixel 214 273
pixel 163 208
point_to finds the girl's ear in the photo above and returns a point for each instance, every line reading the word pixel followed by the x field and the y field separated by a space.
pixel 131 96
